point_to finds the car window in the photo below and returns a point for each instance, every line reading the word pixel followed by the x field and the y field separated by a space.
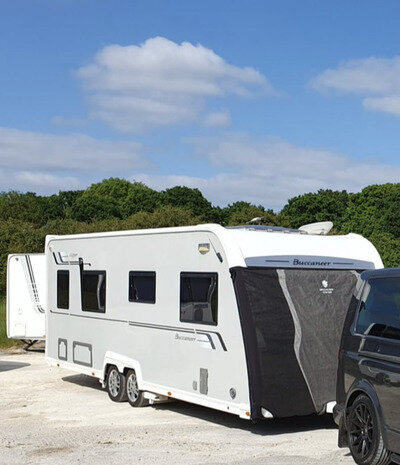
pixel 379 313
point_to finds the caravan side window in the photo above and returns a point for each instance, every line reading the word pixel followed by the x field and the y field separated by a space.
pixel 63 289
pixel 142 287
pixel 93 291
pixel 199 298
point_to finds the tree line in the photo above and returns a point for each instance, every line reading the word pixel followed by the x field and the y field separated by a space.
pixel 117 204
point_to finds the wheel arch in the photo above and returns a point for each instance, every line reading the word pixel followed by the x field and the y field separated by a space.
pixel 123 363
pixel 361 387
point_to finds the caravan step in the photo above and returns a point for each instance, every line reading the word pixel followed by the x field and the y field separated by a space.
pixel 155 398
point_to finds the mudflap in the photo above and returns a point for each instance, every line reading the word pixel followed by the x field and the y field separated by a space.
pixel 342 436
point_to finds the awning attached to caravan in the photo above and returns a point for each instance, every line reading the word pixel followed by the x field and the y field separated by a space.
pixel 291 321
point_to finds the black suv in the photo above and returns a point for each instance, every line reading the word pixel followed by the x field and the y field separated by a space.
pixel 368 381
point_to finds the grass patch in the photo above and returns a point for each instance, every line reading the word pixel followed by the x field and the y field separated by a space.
pixel 4 341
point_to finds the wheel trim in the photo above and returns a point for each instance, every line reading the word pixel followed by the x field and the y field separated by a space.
pixel 114 383
pixel 132 388
pixel 361 431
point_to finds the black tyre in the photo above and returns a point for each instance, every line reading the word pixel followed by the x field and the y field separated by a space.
pixel 134 395
pixel 364 434
pixel 116 384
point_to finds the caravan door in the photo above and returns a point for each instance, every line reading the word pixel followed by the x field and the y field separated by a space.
pixel 26 296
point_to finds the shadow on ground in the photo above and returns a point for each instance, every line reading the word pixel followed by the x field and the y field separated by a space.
pixel 265 427
pixel 8 366
pixel 84 380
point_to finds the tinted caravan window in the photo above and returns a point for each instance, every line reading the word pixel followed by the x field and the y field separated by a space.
pixel 93 288
pixel 63 289
pixel 199 298
pixel 142 287
pixel 379 313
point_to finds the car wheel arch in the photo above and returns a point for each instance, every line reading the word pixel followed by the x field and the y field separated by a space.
pixel 363 387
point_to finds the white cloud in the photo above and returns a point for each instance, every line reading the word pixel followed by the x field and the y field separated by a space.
pixel 376 79
pixel 44 183
pixel 160 83
pixel 264 171
pixel 46 162
pixel 389 104
pixel 269 171
pixel 221 119
pixel 25 150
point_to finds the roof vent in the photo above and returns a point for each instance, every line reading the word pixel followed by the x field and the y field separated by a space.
pixel 320 229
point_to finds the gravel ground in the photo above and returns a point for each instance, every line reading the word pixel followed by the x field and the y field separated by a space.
pixel 52 416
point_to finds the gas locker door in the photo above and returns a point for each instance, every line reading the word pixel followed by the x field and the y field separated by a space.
pixel 26 296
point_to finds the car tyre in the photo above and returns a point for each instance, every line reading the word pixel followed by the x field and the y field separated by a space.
pixel 116 385
pixel 135 396
pixel 364 433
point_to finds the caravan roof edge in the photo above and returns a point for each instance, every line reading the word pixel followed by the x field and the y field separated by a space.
pixel 243 246
pixel 208 227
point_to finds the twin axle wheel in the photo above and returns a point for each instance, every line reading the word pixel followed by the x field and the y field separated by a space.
pixel 121 387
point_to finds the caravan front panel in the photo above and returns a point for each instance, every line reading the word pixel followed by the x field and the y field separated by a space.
pixel 26 296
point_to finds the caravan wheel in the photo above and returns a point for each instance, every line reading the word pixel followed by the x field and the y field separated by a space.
pixel 116 384
pixel 135 397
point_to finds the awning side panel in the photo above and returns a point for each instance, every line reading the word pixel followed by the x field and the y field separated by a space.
pixel 275 378
pixel 321 299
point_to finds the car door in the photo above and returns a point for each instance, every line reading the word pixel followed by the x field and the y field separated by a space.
pixel 378 324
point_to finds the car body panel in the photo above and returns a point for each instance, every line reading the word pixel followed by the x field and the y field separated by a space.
pixel 371 365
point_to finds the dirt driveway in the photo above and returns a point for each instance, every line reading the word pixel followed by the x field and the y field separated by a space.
pixel 52 416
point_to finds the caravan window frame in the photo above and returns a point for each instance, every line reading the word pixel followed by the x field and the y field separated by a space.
pixel 65 273
pixel 98 273
pixel 199 274
pixel 150 274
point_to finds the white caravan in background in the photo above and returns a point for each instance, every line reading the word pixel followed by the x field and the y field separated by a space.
pixel 245 320
pixel 26 296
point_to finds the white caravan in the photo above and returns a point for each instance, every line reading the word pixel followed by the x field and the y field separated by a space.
pixel 245 320
pixel 26 296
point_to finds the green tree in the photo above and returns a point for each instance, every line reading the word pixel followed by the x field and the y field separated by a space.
pixel 22 207
pixel 190 199
pixel 113 198
pixel 324 205
pixel 388 247
pixel 244 214
pixel 375 209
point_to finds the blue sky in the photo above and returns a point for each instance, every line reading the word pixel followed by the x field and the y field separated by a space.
pixel 249 100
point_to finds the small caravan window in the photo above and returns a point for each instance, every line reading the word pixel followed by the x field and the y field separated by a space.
pixel 199 298
pixel 63 289
pixel 93 291
pixel 142 287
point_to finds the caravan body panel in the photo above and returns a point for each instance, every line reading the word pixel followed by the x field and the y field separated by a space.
pixel 26 296
pixel 194 361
